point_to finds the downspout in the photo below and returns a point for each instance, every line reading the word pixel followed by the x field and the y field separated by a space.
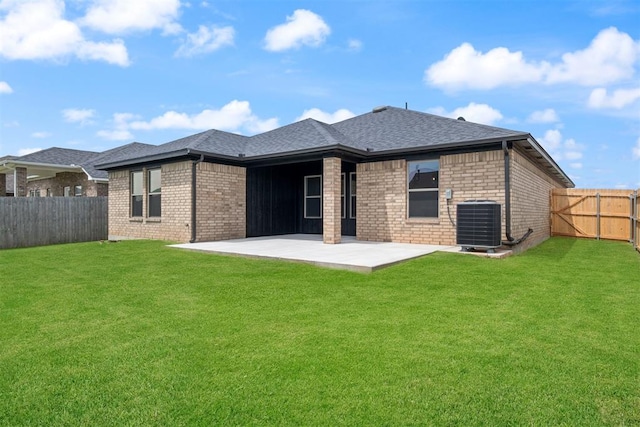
pixel 507 201
pixel 194 165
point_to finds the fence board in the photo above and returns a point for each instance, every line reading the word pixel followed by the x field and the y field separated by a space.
pixel 36 221
pixel 601 214
pixel 636 219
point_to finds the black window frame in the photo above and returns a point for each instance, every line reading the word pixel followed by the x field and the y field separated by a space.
pixel 154 195
pixel 136 200
pixel 423 189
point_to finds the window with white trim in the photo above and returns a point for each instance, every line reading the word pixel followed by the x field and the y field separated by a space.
pixel 422 184
pixel 343 187
pixel 313 196
pixel 155 193
pixel 77 190
pixel 66 191
pixel 352 195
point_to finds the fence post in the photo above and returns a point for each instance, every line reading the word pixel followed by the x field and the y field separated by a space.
pixel 597 216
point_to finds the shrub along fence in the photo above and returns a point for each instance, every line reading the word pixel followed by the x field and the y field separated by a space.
pixel 599 214
pixel 36 221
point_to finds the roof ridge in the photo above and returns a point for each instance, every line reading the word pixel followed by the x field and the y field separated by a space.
pixel 319 126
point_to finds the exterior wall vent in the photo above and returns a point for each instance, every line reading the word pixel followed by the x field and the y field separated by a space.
pixel 479 225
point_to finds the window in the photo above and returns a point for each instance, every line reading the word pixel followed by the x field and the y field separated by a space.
pixel 343 186
pixel 37 193
pixel 422 178
pixel 313 196
pixel 49 192
pixel 155 192
pixel 67 191
pixel 32 193
pixel 136 193
pixel 352 195
pixel 77 190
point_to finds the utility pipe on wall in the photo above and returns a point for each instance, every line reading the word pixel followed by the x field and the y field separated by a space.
pixel 507 201
pixel 193 197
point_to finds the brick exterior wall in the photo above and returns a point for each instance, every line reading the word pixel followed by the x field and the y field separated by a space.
pixel 221 202
pixel 530 200
pixel 175 222
pixel 20 182
pixel 382 198
pixel 68 179
pixel 331 199
pixel 3 185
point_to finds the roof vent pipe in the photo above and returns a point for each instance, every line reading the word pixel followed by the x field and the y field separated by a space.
pixel 461 119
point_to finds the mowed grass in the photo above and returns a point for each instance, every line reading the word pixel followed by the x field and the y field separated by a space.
pixel 136 333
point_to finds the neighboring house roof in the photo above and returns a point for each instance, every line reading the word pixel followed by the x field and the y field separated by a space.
pixel 384 131
pixel 48 162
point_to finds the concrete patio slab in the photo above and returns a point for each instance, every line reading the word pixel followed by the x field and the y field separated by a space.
pixel 351 254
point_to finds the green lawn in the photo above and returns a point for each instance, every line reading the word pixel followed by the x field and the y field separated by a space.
pixel 135 333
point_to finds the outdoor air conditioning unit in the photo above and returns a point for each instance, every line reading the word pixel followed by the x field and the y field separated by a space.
pixel 479 225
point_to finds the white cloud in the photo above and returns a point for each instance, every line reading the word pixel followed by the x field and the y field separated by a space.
pixel 25 151
pixel 120 131
pixel 36 29
pixel 124 16
pixel 303 28
pixel 354 45
pixel 325 117
pixel 40 135
pixel 465 67
pixel 620 98
pixel 609 58
pixel 548 115
pixel 562 149
pixel 635 151
pixel 476 113
pixel 205 40
pixel 232 117
pixel 5 88
pixel 551 140
pixel 75 115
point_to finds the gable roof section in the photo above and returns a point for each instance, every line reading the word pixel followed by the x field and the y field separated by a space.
pixel 304 135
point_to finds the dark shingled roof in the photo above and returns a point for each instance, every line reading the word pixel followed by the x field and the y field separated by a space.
pixel 396 128
pixel 87 160
pixel 59 156
pixel 304 135
pixel 385 130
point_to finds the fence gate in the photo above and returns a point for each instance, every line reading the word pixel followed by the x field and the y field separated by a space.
pixel 599 214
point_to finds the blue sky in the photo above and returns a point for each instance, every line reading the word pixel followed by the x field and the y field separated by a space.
pixel 95 74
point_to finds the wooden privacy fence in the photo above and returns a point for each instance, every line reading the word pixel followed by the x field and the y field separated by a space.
pixel 598 214
pixel 35 221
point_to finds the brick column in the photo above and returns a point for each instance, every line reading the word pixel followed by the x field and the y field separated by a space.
pixel 20 181
pixel 331 210
pixel 3 185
